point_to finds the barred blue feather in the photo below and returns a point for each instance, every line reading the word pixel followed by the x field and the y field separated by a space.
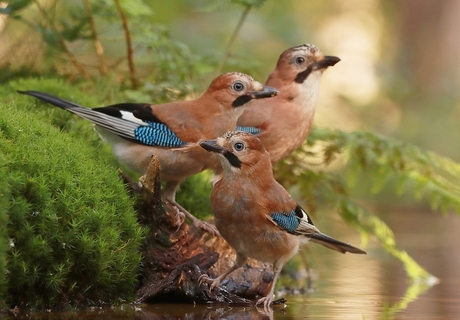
pixel 252 130
pixel 157 134
pixel 288 221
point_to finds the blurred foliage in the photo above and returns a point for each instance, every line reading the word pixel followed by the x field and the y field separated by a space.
pixel 73 233
pixel 378 159
pixel 168 69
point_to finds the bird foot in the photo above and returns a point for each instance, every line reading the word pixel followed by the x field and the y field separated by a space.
pixel 179 216
pixel 204 278
pixel 266 302
pixel 206 226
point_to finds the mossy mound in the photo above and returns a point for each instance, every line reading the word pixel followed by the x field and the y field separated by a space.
pixel 4 192
pixel 72 235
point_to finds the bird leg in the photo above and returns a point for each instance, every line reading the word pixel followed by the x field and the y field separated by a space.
pixel 268 299
pixel 213 283
pixel 206 226
pixel 169 192
pixel 180 216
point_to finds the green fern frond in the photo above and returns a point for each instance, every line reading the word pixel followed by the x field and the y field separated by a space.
pixel 426 174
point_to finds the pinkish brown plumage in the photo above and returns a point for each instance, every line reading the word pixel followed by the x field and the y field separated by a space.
pixel 171 131
pixel 254 213
pixel 286 120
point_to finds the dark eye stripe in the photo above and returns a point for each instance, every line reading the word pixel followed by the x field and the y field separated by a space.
pixel 301 76
pixel 241 101
pixel 234 161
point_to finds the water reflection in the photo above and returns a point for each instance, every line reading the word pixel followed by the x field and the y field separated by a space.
pixel 374 286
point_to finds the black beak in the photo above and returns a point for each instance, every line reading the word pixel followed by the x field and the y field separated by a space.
pixel 328 61
pixel 211 145
pixel 266 92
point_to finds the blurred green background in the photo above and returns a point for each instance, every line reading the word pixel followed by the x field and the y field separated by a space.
pixel 399 78
pixel 399 74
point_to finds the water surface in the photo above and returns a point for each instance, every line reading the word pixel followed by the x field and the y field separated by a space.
pixel 348 286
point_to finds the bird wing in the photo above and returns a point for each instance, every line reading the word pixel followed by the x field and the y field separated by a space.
pixel 252 130
pixel 151 130
pixel 132 121
pixel 298 222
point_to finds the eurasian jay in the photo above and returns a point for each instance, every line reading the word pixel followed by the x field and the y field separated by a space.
pixel 286 119
pixel 254 213
pixel 171 131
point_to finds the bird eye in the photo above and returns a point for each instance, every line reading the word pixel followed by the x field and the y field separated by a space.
pixel 299 60
pixel 238 86
pixel 239 146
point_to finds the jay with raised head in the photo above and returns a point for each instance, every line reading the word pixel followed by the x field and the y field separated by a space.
pixel 171 131
pixel 254 213
pixel 286 119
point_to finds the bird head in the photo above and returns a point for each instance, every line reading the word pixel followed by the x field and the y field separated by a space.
pixel 239 151
pixel 238 89
pixel 300 61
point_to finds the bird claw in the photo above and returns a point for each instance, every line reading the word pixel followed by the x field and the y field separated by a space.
pixel 179 216
pixel 204 278
pixel 266 301
pixel 208 227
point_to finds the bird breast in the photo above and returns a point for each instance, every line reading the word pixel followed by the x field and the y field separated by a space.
pixel 243 224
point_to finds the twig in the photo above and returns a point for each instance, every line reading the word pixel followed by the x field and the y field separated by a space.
pixel 62 43
pixel 97 43
pixel 129 46
pixel 232 39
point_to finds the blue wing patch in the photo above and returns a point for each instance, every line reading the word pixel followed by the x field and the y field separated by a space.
pixel 252 130
pixel 288 221
pixel 157 134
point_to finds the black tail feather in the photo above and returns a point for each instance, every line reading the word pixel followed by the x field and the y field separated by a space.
pixel 116 125
pixel 56 101
pixel 334 244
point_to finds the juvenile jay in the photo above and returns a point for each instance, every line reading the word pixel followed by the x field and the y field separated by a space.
pixel 171 131
pixel 286 119
pixel 254 213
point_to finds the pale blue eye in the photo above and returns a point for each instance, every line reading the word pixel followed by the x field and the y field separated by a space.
pixel 238 86
pixel 239 146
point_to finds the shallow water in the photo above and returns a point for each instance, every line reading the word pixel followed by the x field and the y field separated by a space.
pixel 348 286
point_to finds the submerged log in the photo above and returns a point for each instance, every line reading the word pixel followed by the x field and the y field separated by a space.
pixel 175 257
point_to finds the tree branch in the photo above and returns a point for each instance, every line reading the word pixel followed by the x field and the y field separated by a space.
pixel 232 39
pixel 129 46
pixel 63 44
pixel 97 43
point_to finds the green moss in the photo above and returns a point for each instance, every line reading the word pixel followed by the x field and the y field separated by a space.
pixel 4 196
pixel 75 233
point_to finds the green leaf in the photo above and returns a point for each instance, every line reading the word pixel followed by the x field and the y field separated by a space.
pixel 14 6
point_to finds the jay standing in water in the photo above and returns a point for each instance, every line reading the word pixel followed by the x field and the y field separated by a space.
pixel 285 121
pixel 254 213
pixel 171 131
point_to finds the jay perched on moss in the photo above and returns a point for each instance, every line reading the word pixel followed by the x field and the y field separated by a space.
pixel 286 119
pixel 171 131
pixel 254 213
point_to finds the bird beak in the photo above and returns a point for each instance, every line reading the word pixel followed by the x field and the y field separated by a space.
pixel 266 92
pixel 211 145
pixel 328 61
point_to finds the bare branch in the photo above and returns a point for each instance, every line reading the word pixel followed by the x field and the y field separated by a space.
pixel 129 45
pixel 97 43
pixel 232 39
pixel 62 43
